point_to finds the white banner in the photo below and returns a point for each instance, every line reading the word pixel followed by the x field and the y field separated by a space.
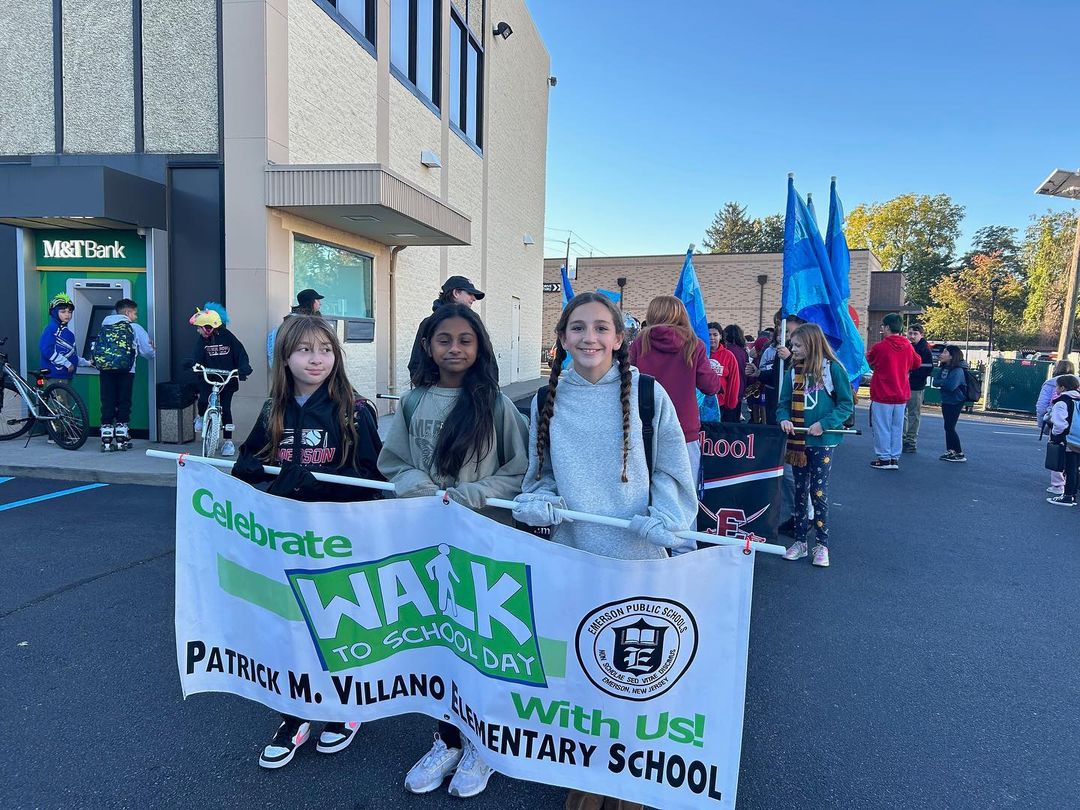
pixel 619 677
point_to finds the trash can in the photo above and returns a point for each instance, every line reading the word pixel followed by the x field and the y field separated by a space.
pixel 176 413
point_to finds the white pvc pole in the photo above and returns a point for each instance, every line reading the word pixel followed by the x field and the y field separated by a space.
pixel 365 483
pixel 850 431
pixel 603 520
pixel 618 523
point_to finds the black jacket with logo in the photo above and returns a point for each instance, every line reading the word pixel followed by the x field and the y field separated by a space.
pixel 225 351
pixel 312 442
pixel 917 378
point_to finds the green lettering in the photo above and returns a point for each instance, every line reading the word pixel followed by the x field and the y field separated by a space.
pixel 219 515
pixel 293 543
pixel 257 534
pixel 312 542
pixel 196 502
pixel 242 526
pixel 337 546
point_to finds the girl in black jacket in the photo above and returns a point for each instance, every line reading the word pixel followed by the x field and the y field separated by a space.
pixel 313 421
pixel 219 349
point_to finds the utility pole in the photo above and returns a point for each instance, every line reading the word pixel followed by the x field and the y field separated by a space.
pixel 1068 317
pixel 995 284
pixel 568 235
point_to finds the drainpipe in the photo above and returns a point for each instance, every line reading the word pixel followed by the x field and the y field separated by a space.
pixel 391 387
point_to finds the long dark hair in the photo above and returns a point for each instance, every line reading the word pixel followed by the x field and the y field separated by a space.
pixel 733 336
pixel 956 356
pixel 621 358
pixel 469 429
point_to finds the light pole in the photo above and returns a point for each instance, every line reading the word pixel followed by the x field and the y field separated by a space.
pixel 1062 183
pixel 621 281
pixel 995 285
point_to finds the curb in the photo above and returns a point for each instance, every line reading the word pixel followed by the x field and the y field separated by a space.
pixel 151 479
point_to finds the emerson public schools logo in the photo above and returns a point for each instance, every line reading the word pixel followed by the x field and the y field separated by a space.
pixel 637 648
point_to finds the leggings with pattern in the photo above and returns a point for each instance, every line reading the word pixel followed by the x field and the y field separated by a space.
pixel 813 480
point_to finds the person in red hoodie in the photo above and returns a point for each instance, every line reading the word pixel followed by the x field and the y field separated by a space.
pixel 725 364
pixel 891 358
pixel 668 350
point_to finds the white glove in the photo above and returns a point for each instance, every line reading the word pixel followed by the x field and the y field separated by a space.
pixel 536 509
pixel 652 530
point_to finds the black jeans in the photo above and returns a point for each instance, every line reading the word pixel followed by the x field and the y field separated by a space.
pixel 450 735
pixel 1072 473
pixel 951 413
pixel 116 389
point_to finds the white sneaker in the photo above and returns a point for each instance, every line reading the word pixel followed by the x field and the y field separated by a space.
pixel 228 449
pixel 472 774
pixel 821 556
pixel 337 737
pixel 796 551
pixel 289 736
pixel 433 767
pixel 1056 490
pixel 198 424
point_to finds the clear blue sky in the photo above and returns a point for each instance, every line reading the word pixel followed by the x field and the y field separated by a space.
pixel 664 111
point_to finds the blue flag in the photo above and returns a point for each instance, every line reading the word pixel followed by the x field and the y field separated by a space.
pixel 614 295
pixel 809 289
pixel 688 291
pixel 852 351
pixel 567 290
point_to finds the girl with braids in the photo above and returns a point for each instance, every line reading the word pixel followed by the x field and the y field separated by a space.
pixel 816 395
pixel 668 350
pixel 313 420
pixel 586 453
pixel 455 431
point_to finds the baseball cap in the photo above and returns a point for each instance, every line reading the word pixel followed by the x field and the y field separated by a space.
pixel 305 297
pixel 461 283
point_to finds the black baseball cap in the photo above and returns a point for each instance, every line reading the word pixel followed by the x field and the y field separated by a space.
pixel 305 297
pixel 461 283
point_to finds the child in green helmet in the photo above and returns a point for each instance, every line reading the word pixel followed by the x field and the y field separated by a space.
pixel 57 345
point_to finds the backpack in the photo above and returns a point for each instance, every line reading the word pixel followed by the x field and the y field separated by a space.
pixel 114 348
pixel 1072 433
pixel 646 412
pixel 972 386
pixel 412 399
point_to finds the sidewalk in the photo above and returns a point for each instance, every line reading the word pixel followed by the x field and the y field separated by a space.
pixel 43 460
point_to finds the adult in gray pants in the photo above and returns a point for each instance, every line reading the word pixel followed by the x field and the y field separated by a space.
pixel 917 379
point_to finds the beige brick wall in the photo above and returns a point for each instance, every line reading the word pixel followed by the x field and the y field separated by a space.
pixel 414 128
pixel 728 283
pixel 332 91
pixel 26 63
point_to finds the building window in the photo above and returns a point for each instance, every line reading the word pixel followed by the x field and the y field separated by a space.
pixel 342 277
pixel 466 82
pixel 359 14
pixel 415 40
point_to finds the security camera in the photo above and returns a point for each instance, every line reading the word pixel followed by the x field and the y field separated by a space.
pixel 552 81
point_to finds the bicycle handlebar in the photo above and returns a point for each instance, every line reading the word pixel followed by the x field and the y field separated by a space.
pixel 226 375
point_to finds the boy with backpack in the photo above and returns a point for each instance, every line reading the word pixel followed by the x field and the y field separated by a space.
pixel 1065 429
pixel 119 343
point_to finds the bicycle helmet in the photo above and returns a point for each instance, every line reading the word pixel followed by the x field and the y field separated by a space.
pixel 60 301
pixel 213 315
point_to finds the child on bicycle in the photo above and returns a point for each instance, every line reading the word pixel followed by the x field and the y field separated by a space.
pixel 218 349
pixel 312 407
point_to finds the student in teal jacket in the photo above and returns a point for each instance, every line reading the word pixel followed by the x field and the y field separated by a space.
pixel 815 395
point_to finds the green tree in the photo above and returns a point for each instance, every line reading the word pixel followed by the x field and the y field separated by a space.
pixel 961 304
pixel 999 239
pixel 911 231
pixel 1046 255
pixel 734 231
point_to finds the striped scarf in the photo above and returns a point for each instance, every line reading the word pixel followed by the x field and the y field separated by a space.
pixel 796 443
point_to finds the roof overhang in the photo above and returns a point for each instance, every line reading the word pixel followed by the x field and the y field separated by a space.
pixel 82 197
pixel 367 200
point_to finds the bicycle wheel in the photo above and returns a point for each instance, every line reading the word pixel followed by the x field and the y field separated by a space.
pixel 72 424
pixel 15 417
pixel 211 436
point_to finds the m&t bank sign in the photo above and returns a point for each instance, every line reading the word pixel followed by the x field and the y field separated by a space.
pixel 106 249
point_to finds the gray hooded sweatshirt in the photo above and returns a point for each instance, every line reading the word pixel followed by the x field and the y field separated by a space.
pixel 583 465
pixel 408 455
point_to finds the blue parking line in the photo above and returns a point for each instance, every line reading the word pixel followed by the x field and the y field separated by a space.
pixel 39 498
pixel 5 478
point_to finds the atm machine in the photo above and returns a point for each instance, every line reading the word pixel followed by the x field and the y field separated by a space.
pixel 95 299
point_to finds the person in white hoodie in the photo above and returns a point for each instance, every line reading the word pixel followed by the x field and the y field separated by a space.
pixel 1042 415
pixel 1062 414
pixel 586 453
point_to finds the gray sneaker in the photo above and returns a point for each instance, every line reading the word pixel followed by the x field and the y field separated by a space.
pixel 472 774
pixel 433 767
pixel 796 551
pixel 821 556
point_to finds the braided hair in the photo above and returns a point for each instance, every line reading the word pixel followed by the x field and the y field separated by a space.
pixel 621 357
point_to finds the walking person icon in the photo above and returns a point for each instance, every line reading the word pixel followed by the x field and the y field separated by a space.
pixel 441 570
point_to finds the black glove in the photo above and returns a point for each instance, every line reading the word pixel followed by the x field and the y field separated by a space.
pixel 294 482
pixel 248 469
